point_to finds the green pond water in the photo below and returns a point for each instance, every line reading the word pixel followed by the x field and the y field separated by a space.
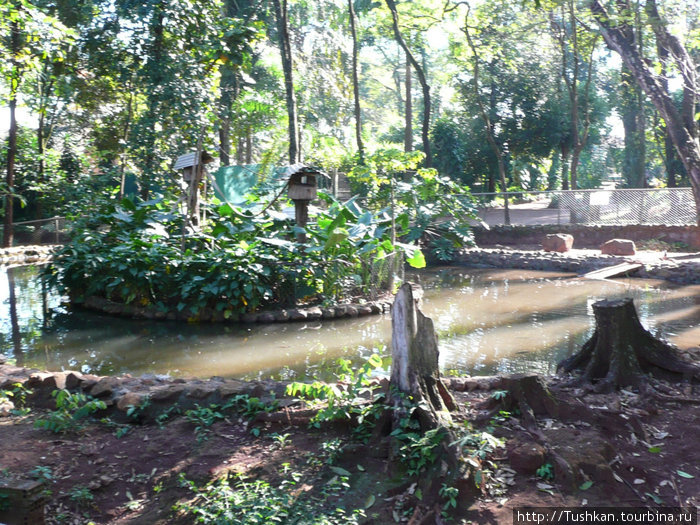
pixel 488 320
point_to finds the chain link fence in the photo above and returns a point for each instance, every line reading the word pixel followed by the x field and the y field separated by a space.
pixel 659 206
pixel 42 231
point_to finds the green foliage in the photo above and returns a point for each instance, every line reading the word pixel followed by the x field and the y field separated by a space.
pixel 136 253
pixel 71 412
pixel 418 451
pixel 428 208
pixel 18 396
pixel 81 496
pixel 352 398
pixel 546 471
pixel 202 418
pixel 256 502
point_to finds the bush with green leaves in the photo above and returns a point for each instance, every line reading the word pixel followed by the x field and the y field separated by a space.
pixel 72 411
pixel 138 253
pixel 427 207
pixel 355 397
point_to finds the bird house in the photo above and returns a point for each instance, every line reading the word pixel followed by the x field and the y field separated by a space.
pixel 188 163
pixel 303 181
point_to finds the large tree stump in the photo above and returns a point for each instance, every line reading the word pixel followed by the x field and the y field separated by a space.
pixel 621 351
pixel 414 369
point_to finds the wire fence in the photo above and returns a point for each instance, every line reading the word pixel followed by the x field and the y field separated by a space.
pixel 42 231
pixel 658 206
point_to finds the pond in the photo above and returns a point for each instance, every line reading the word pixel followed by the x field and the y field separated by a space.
pixel 489 321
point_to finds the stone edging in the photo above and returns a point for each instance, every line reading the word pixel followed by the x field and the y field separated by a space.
pixel 18 255
pixel 156 393
pixel 314 313
pixel 676 271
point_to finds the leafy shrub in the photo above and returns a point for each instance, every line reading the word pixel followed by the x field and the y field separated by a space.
pixel 137 253
pixel 71 412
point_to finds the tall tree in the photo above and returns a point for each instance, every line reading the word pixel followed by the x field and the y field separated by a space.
pixel 681 124
pixel 577 72
pixel 420 73
pixel 356 83
pixel 281 15
pixel 488 125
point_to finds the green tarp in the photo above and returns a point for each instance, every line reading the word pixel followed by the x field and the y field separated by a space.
pixel 233 183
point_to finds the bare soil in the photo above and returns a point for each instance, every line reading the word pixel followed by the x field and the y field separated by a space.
pixel 626 450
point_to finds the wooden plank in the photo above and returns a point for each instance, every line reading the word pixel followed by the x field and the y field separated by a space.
pixel 613 271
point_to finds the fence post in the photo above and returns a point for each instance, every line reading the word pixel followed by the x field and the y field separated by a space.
pixel 55 223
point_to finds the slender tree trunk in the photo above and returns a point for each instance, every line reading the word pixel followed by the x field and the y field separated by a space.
pixel 287 68
pixel 633 165
pixel 125 137
pixel 153 98
pixel 356 84
pixel 425 130
pixel 565 152
pixel 487 122
pixel 408 113
pixel 248 145
pixel 15 75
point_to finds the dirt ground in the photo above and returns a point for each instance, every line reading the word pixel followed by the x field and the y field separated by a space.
pixel 623 449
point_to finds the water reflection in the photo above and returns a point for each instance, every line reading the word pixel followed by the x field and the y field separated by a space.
pixel 488 321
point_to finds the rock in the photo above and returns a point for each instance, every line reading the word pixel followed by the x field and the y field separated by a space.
pixel 57 381
pixel 201 391
pixel 73 379
pixel 314 313
pixel 618 247
pixel 297 314
pixel 130 399
pixel 558 242
pixel 281 316
pixel 364 309
pixel 167 393
pixel 328 313
pixel 249 318
pixel 104 387
pixel 376 308
pixel 527 457
pixel 266 317
pixel 231 387
pixel 351 311
pixel 341 311
pixel 37 379
pixel 6 408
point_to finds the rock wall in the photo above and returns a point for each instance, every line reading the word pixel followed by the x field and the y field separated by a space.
pixel 585 236
pixel 676 271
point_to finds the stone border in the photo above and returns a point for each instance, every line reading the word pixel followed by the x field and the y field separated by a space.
pixel 154 393
pixel 209 315
pixel 21 255
pixel 676 271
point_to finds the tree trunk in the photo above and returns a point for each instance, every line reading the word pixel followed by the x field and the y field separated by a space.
pixel 287 68
pixel 621 351
pixel 487 123
pixel 8 233
pixel 633 164
pixel 425 130
pixel 565 152
pixel 356 84
pixel 682 126
pixel 408 114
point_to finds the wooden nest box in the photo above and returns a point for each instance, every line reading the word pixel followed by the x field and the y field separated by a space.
pixel 188 162
pixel 303 182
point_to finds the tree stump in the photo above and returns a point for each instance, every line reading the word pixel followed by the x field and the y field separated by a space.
pixel 621 351
pixel 414 369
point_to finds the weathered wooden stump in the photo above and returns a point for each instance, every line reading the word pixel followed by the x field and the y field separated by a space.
pixel 621 350
pixel 414 370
